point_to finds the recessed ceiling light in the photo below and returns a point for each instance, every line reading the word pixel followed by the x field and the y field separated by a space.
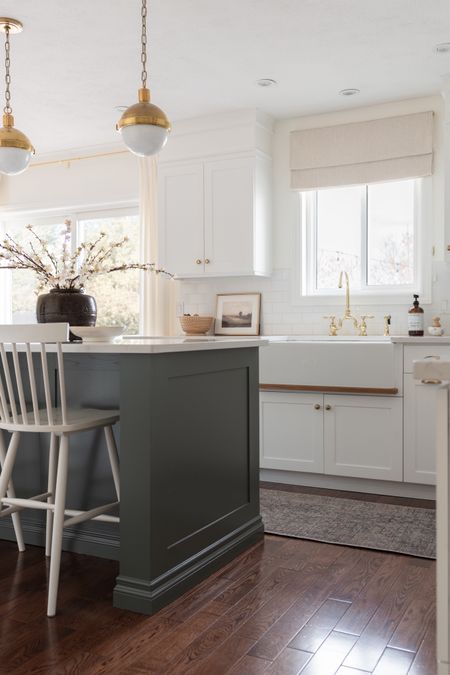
pixel 443 48
pixel 266 82
pixel 349 92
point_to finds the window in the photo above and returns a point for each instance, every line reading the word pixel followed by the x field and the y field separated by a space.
pixel 117 295
pixel 370 231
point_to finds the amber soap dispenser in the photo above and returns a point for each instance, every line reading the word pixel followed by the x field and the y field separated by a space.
pixel 415 319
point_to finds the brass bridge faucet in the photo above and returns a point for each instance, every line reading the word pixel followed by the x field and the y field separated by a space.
pixel 348 316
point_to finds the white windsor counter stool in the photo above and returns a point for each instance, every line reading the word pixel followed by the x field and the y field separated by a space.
pixel 18 416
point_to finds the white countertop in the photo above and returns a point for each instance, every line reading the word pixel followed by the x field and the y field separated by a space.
pixel 367 339
pixel 146 345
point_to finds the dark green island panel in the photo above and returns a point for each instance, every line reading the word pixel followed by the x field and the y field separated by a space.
pixel 189 469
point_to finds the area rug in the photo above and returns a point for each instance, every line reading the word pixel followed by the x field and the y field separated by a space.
pixel 350 522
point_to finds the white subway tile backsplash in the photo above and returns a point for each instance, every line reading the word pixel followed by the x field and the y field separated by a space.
pixel 280 317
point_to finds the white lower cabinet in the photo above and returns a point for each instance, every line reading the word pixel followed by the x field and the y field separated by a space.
pixel 419 432
pixel 292 431
pixel 363 437
pixel 342 435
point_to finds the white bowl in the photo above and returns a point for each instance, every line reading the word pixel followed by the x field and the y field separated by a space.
pixel 98 333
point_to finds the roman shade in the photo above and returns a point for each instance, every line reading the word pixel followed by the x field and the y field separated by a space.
pixel 392 148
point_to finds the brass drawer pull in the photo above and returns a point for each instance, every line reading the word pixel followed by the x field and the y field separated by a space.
pixel 317 406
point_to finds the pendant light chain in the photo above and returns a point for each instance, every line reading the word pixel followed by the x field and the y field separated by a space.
pixel 144 44
pixel 7 109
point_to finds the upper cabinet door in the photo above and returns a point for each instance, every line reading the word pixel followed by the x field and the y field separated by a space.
pixel 229 216
pixel 181 214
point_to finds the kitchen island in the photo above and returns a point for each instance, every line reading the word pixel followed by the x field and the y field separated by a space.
pixel 189 458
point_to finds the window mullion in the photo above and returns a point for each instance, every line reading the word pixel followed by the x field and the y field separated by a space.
pixel 364 236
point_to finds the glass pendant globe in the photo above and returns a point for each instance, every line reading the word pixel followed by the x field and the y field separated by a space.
pixel 14 160
pixel 144 140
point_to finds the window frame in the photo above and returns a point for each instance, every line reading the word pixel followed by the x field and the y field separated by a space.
pixel 52 217
pixel 304 291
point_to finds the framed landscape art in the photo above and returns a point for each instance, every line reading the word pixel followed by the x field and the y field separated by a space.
pixel 238 314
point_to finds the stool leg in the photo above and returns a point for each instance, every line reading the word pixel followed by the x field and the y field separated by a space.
pixel 58 524
pixel 11 493
pixel 50 488
pixel 113 458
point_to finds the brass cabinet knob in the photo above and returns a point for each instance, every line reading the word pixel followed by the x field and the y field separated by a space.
pixel 207 261
pixel 198 261
pixel 328 407
pixel 317 406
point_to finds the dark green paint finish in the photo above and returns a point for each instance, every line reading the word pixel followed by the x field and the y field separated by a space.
pixel 189 470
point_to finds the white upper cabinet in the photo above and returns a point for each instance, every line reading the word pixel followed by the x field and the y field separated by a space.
pixel 180 208
pixel 214 216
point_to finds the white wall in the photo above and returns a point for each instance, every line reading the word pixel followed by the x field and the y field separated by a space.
pixel 95 181
pixel 279 313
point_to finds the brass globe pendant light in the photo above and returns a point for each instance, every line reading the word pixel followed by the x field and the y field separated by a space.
pixel 143 126
pixel 15 148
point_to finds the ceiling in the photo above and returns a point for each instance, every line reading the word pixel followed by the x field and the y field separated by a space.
pixel 76 61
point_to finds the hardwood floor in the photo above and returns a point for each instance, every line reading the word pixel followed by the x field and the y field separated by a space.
pixel 284 607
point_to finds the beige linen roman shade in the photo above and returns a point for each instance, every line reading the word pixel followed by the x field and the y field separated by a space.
pixel 392 148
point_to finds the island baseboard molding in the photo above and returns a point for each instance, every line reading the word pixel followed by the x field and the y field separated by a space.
pixel 146 597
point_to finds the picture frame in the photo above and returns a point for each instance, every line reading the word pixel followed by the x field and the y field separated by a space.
pixel 238 314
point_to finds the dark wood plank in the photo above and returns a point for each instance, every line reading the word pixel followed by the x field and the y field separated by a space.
pixel 425 660
pixel 378 632
pixel 366 603
pixel 250 665
pixel 319 626
pixel 416 620
pixel 330 655
pixel 394 661
pixel 289 662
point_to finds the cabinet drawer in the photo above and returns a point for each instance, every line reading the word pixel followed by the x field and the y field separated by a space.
pixel 419 352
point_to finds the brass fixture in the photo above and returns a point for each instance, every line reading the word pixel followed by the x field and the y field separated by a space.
pixel 317 406
pixel 387 324
pixel 15 148
pixel 144 127
pixel 332 329
pixel 363 324
pixel 348 316
pixel 207 261
pixel 198 261
pixel 328 407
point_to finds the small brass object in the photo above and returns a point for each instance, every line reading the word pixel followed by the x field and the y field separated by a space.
pixel 317 406
pixel 332 330
pixel 387 324
pixel 363 324
pixel 207 261
pixel 328 407
pixel 198 261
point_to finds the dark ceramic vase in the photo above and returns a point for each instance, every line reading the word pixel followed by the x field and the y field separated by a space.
pixel 69 305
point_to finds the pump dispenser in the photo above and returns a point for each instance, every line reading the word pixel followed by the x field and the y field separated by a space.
pixel 415 319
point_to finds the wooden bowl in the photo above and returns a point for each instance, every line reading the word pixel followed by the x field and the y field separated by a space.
pixel 196 325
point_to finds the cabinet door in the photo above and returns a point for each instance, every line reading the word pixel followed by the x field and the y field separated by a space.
pixel 291 431
pixel 419 432
pixel 229 211
pixel 363 436
pixel 180 213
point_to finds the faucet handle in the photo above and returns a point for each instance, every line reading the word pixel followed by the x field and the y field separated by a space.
pixel 332 327
pixel 363 324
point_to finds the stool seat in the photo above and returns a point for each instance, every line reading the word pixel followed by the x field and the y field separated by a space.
pixel 81 419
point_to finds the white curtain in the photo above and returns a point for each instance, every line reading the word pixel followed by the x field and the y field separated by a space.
pixel 158 291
